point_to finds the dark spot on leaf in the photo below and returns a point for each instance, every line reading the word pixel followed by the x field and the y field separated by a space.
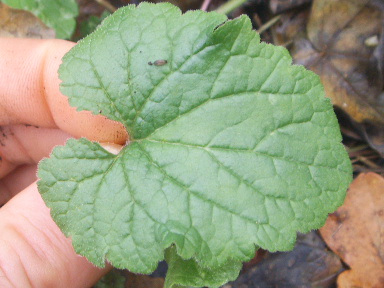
pixel 339 216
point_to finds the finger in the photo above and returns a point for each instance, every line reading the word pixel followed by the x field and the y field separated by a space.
pixel 29 92
pixel 25 144
pixel 5 165
pixel 16 181
pixel 24 175
pixel 33 250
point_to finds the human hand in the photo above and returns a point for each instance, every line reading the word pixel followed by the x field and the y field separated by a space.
pixel 34 117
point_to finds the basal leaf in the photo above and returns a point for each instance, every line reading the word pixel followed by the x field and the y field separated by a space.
pixel 57 14
pixel 182 273
pixel 230 147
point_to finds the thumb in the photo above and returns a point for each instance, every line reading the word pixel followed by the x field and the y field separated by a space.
pixel 33 250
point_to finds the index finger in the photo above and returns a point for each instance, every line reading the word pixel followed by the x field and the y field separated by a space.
pixel 29 92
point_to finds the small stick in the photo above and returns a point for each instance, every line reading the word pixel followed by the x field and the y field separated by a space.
pixel 368 162
pixel 357 148
pixel 269 24
pixel 205 5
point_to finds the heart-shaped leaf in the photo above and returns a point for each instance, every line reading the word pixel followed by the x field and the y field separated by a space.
pixel 231 145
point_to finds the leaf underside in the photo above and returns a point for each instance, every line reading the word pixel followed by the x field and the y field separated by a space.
pixel 59 15
pixel 231 146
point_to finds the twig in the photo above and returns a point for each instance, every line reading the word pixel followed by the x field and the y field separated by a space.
pixel 356 148
pixel 205 5
pixel 368 162
pixel 229 6
pixel 107 5
pixel 269 24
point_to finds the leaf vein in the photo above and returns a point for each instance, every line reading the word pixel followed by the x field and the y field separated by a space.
pixel 195 193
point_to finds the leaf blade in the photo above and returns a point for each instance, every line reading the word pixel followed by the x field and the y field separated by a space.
pixel 213 168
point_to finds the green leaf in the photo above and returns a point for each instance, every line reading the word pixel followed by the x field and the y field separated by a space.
pixel 57 14
pixel 189 273
pixel 230 147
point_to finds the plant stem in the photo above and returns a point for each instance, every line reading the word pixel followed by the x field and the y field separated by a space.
pixel 229 6
pixel 107 5
pixel 205 5
pixel 269 24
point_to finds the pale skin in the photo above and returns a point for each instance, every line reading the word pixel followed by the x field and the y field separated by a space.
pixel 34 117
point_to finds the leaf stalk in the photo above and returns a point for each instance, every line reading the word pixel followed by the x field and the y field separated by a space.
pixel 229 6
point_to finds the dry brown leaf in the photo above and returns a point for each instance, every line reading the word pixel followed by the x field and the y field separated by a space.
pixel 355 232
pixel 292 25
pixel 16 23
pixel 341 48
pixel 310 264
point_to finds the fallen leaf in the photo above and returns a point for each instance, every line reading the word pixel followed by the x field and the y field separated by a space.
pixel 355 232
pixel 292 25
pixel 310 264
pixel 340 47
pixel 16 23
